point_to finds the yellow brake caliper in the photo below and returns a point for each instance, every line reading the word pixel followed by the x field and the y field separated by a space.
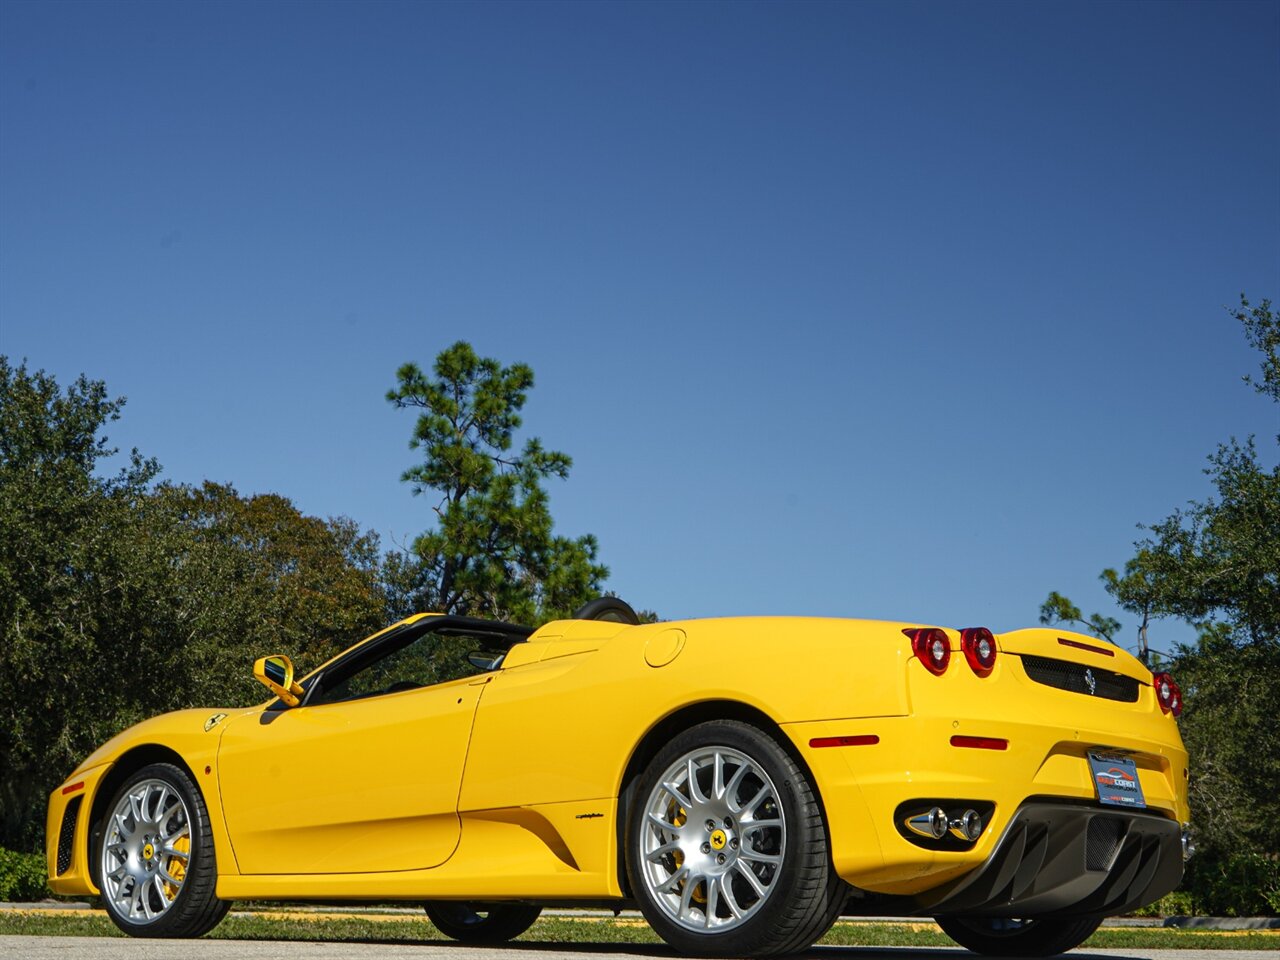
pixel 177 866
pixel 679 819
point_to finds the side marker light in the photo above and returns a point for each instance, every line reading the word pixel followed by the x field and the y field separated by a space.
pixel 864 740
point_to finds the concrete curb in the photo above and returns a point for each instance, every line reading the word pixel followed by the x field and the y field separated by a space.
pixel 45 905
pixel 1224 923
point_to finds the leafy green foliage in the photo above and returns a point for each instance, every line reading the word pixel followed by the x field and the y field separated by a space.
pixel 1242 883
pixel 1262 328
pixel 493 551
pixel 68 541
pixel 120 599
pixel 1216 564
pixel 22 877
pixel 1228 725
pixel 1058 609
pixel 289 583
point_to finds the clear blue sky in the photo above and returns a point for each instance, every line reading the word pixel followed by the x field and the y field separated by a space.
pixel 893 310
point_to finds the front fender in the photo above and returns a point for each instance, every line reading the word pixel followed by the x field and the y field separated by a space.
pixel 80 801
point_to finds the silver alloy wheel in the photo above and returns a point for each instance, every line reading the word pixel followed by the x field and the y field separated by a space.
pixel 146 851
pixel 713 839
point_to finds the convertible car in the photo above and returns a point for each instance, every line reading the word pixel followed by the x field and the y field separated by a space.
pixel 741 781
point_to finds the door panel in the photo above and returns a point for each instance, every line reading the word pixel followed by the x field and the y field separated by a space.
pixel 358 786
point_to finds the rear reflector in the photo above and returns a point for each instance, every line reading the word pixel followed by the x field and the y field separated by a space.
pixel 73 788
pixel 865 740
pixel 980 743
pixel 1086 646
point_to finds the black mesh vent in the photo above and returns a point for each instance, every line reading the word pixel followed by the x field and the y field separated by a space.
pixel 1102 843
pixel 1076 677
pixel 67 835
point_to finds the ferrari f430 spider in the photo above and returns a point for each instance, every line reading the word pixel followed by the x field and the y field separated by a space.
pixel 741 781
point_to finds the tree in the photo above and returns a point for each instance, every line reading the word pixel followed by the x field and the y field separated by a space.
pixel 66 539
pixel 289 582
pixel 1216 564
pixel 493 551
pixel 1058 609
pixel 121 599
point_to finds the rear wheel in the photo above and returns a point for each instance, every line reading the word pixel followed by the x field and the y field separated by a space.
pixel 155 860
pixel 481 922
pixel 1036 937
pixel 727 848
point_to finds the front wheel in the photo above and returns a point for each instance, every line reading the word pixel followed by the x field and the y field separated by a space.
pixel 727 848
pixel 1035 937
pixel 155 858
pixel 481 922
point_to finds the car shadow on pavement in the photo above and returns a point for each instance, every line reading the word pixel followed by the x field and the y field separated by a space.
pixel 551 948
pixel 832 952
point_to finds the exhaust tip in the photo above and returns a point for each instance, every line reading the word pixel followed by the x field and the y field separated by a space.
pixel 933 823
pixel 941 823
pixel 968 826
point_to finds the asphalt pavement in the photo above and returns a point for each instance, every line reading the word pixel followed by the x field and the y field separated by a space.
pixel 111 948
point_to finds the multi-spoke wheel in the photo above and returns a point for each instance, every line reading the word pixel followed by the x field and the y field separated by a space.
pixel 726 846
pixel 1033 937
pixel 156 867
pixel 481 922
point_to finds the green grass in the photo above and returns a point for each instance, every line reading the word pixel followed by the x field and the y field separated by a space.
pixel 608 930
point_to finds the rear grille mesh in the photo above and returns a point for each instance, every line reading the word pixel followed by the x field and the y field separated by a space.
pixel 1076 677
pixel 67 835
pixel 1102 842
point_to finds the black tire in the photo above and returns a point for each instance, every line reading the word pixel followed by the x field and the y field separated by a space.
pixel 481 922
pixel 195 909
pixel 1039 937
pixel 803 892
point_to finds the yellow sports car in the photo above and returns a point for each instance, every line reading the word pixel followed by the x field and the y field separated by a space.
pixel 741 781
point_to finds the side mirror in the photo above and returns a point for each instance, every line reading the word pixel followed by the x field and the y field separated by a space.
pixel 276 674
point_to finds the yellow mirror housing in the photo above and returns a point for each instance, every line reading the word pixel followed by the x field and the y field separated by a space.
pixel 276 674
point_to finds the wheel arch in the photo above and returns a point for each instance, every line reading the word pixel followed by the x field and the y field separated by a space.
pixel 125 766
pixel 657 735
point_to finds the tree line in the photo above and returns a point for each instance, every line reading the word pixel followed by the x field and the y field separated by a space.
pixel 123 595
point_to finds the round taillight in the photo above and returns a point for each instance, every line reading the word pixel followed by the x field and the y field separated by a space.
pixel 979 646
pixel 932 647
pixel 1168 693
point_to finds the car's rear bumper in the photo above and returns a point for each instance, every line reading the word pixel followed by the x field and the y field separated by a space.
pixel 865 787
pixel 1059 858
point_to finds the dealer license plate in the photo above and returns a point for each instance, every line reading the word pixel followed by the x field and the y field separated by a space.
pixel 1116 779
